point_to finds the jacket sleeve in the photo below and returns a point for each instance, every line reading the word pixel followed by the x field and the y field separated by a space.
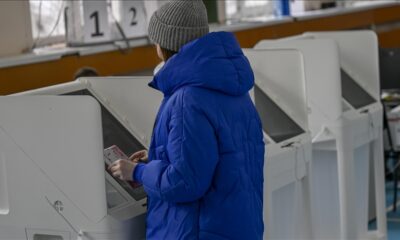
pixel 192 151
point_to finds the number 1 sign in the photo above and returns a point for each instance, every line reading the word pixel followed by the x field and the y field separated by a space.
pixel 96 25
pixel 87 22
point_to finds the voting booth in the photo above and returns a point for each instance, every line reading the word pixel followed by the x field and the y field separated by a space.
pixel 346 124
pixel 51 159
pixel 280 99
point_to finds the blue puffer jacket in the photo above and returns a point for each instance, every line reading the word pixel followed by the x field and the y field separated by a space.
pixel 205 177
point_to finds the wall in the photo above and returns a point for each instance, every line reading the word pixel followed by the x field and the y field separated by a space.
pixel 25 77
pixel 15 27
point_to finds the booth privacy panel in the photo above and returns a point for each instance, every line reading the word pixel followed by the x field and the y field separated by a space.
pixel 359 56
pixel 128 97
pixel 280 74
pixel 130 93
pixel 322 66
pixel 41 127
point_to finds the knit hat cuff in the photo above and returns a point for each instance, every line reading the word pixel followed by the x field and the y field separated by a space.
pixel 173 37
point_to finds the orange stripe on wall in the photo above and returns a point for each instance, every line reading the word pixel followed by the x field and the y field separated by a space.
pixel 26 77
pixel 389 39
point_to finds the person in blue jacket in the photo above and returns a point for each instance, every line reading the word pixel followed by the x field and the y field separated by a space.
pixel 204 178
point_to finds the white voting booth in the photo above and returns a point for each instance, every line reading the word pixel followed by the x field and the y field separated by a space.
pixel 346 124
pixel 75 209
pixel 280 99
pixel 53 179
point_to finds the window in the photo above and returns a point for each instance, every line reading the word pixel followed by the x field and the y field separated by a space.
pixel 237 10
pixel 48 25
pixel 48 18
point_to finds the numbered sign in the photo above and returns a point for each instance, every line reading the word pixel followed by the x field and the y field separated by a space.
pixel 96 24
pixel 87 22
pixel 133 18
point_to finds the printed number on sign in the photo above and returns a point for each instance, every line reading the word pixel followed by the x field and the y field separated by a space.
pixel 133 22
pixel 97 32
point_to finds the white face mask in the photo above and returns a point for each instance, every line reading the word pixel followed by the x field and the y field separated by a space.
pixel 159 66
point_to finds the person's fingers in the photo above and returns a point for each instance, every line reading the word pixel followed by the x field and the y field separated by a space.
pixel 111 165
pixel 115 163
pixel 136 155
pixel 117 174
pixel 118 165
pixel 139 154
pixel 120 169
pixel 135 158
pixel 115 168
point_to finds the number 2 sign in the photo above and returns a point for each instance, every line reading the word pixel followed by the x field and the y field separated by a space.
pixel 95 21
pixel 133 18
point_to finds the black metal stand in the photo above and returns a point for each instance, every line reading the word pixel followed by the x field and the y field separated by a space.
pixel 392 153
pixel 395 182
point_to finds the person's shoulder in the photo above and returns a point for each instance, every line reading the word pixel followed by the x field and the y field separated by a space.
pixel 193 98
pixel 190 93
pixel 199 97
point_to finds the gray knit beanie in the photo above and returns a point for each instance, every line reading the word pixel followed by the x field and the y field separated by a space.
pixel 178 22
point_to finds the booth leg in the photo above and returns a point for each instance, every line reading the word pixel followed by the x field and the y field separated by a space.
pixel 345 150
pixel 379 171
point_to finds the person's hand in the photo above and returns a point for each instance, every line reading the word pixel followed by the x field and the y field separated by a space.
pixel 122 169
pixel 139 156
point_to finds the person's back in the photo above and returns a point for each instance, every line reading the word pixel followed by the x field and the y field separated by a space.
pixel 205 180
pixel 232 207
pixel 205 175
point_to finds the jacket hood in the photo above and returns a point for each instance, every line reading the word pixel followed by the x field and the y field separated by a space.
pixel 214 61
